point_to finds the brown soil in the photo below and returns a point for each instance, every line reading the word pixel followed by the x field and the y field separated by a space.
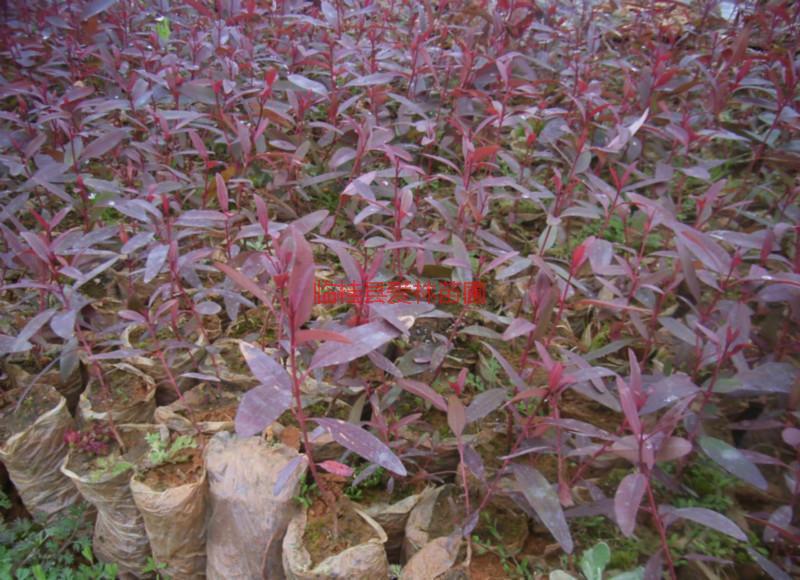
pixel 226 413
pixel 510 524
pixel 40 400
pixel 188 470
pixel 486 567
pixel 576 406
pixel 319 537
pixel 126 389
pixel 291 437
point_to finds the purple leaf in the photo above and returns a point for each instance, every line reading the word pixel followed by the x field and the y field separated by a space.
pixel 362 443
pixel 474 462
pixel 423 391
pixel 301 280
pixel 38 246
pixel 308 85
pixel 667 391
pixel 115 354
pixel 456 417
pixel 710 519
pixel 336 468
pixel 31 328
pixel 544 500
pixel 781 519
pixel 518 327
pixel 678 330
pixel 364 339
pixel 243 281
pixel 513 375
pixel 342 156
pixel 260 407
pixel 733 461
pixel 629 408
pixel 96 7
pixel 627 501
pixel 63 323
pixel 380 78
pixel 485 403
pixel 207 308
pixel 770 568
pixel 155 261
pixel 286 473
pixel 103 144
pixel 264 367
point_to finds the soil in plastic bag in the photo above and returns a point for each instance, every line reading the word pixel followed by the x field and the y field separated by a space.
pixel 21 372
pixel 32 447
pixel 132 397
pixel 211 407
pixel 312 550
pixel 437 514
pixel 247 520
pixel 392 516
pixel 172 501
pixel 119 533
pixel 223 359
pixel 436 561
pixel 179 361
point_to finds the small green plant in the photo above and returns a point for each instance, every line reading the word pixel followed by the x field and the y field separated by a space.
pixel 156 568
pixel 112 465
pixel 593 564
pixel 162 28
pixel 5 501
pixel 161 452
pixel 306 493
pixel 356 492
pixel 514 567
pixel 594 561
pixel 60 550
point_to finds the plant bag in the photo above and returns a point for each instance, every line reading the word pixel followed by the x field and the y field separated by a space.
pixel 70 388
pixel 33 457
pixel 247 520
pixel 227 349
pixel 435 560
pixel 175 520
pixel 420 519
pixel 366 561
pixel 179 363
pixel 392 518
pixel 119 533
pixel 176 415
pixel 134 412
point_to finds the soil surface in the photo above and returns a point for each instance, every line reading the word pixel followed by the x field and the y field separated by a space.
pixel 40 400
pixel 126 389
pixel 321 539
pixel 188 469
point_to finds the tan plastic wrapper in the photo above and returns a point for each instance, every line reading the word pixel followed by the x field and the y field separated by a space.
pixel 392 518
pixel 226 349
pixel 175 415
pixel 435 560
pixel 366 561
pixel 175 520
pixel 247 521
pixel 419 521
pixel 119 533
pixel 33 458
pixel 140 411
pixel 70 387
pixel 179 362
